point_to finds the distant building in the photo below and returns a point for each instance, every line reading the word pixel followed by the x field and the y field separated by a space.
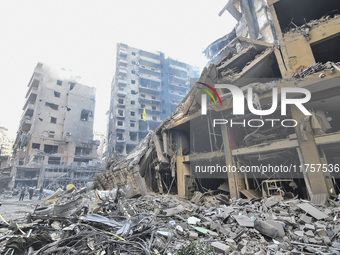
pixel 6 143
pixel 102 143
pixel 143 80
pixel 55 135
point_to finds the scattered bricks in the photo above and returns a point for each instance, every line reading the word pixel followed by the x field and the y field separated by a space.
pixel 299 233
pixel 231 243
pixel 213 234
pixel 260 253
pixel 319 225
pixel 306 219
pixel 310 226
pixel 193 235
pixel 221 247
pixel 271 202
pixel 326 240
pixel 232 234
pixel 322 232
pixel 224 231
pixel 327 211
pixel 309 233
pixel 278 226
pixel 214 226
pixel 305 239
pixel 313 241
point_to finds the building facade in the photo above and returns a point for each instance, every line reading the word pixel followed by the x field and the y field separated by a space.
pixel 144 82
pixel 55 135
pixel 6 143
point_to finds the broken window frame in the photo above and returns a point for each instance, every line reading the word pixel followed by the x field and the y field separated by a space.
pixel 57 94
pixel 52 106
pixel 85 115
pixel 51 149
pixel 53 120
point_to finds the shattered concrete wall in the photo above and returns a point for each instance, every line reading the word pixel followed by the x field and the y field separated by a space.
pixel 254 21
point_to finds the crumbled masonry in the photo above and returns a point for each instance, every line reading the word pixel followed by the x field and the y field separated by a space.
pixel 152 201
pixel 106 222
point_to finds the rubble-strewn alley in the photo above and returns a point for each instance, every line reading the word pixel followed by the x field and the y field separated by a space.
pixel 106 222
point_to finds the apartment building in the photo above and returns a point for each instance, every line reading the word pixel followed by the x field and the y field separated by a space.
pixel 6 143
pixel 144 82
pixel 55 135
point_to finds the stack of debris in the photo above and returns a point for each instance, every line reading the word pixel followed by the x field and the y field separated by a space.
pixel 305 28
pixel 141 168
pixel 102 222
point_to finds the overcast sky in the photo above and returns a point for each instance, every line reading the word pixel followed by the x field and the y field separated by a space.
pixel 81 35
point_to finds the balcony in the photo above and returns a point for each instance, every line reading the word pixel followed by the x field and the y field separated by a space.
pixel 148 69
pixel 180 78
pixel 121 93
pixel 32 90
pixel 150 60
pixel 28 106
pixel 26 124
pixel 123 52
pixel 35 79
pixel 120 117
pixel 150 77
pixel 122 71
pixel 179 86
pixel 149 89
pixel 156 101
pixel 122 82
pixel 120 105
pixel 149 100
pixel 120 128
pixel 122 62
pixel 149 111
pixel 29 110
pixel 178 68
pixel 144 100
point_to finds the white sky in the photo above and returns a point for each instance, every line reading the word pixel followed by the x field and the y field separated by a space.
pixel 81 35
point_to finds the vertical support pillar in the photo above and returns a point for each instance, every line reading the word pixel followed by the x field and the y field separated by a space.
pixel 309 153
pixel 183 169
pixel 41 176
pixel 234 179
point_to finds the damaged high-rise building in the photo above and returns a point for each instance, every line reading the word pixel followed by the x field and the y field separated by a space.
pixel 255 142
pixel 54 144
pixel 143 80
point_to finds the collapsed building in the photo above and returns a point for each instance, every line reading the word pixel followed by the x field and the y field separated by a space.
pixel 276 45
pixel 54 144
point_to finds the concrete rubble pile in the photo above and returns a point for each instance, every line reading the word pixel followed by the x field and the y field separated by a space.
pixel 305 29
pixel 106 222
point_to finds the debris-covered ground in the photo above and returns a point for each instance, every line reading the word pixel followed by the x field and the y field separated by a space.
pixel 102 222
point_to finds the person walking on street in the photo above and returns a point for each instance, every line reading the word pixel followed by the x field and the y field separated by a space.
pixel 40 192
pixel 22 194
pixel 30 192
